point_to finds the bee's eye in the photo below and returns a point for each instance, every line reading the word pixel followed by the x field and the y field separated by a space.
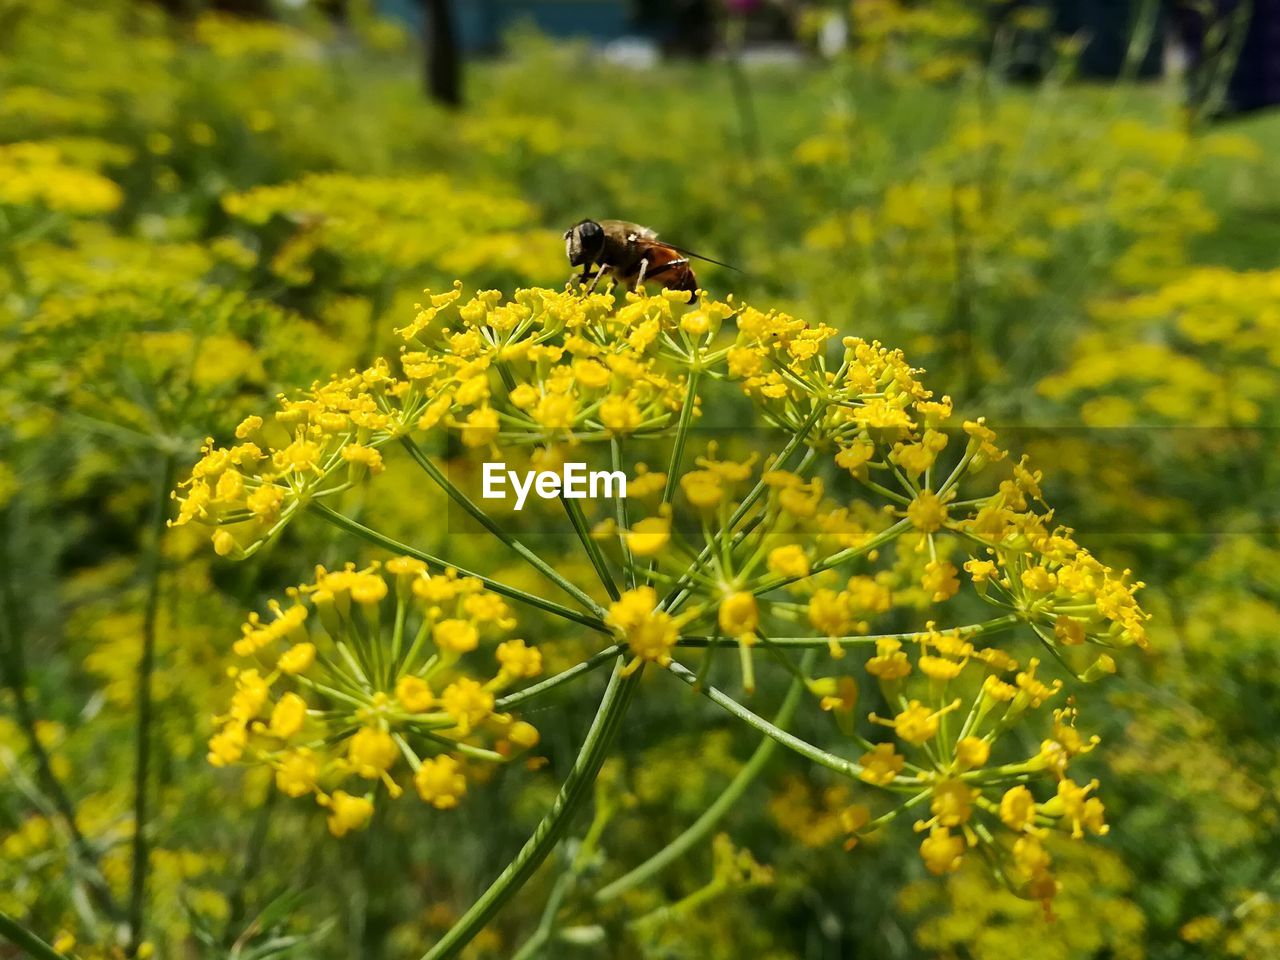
pixel 589 230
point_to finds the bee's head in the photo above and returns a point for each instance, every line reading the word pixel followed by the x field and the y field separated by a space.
pixel 584 242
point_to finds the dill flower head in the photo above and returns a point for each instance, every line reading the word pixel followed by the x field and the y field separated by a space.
pixel 41 175
pixel 373 227
pixel 859 496
pixel 368 678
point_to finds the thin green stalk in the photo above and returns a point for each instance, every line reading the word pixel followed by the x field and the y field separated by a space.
pixel 686 906
pixel 779 463
pixel 249 869
pixel 511 593
pixel 677 450
pixel 13 669
pixel 397 640
pixel 486 521
pixel 682 435
pixel 586 666
pixel 24 939
pixel 967 631
pixel 546 925
pixel 620 515
pixel 146 706
pixel 680 591
pixel 791 742
pixel 576 788
pixel 583 530
pixel 702 828
pixel 879 540
pixel 1139 48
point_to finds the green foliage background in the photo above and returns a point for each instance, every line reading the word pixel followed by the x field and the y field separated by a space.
pixel 197 215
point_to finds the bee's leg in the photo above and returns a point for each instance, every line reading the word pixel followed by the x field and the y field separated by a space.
pixel 599 274
pixel 664 269
pixel 644 266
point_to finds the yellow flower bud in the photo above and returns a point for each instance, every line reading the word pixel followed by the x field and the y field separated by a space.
pixel 288 716
pixel 348 813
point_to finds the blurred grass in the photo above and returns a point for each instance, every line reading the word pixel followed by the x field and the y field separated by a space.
pixel 552 135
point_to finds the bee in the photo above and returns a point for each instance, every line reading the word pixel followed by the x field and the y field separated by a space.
pixel 629 253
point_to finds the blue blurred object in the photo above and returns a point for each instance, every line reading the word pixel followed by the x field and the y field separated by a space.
pixel 1256 82
pixel 482 23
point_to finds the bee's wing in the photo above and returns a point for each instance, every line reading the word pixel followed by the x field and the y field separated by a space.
pixel 625 230
pixel 698 256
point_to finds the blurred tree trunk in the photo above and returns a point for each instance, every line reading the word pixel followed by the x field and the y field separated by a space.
pixel 335 10
pixel 443 56
pixel 176 8
pixel 260 9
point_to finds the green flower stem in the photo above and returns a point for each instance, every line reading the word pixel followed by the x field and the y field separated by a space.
pixel 586 666
pixel 486 521
pixel 668 913
pixel 677 451
pixel 621 517
pixel 576 788
pixel 546 924
pixel 513 593
pixel 778 464
pixel 970 451
pixel 397 640
pixel 967 631
pixel 24 939
pixel 580 526
pixel 682 435
pixel 13 672
pixel 680 591
pixel 804 748
pixel 836 559
pixel 253 855
pixel 702 828
pixel 152 564
pixel 467 749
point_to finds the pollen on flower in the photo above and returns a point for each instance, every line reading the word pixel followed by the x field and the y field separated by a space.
pixel 881 764
pixel 440 782
pixel 650 633
pixel 467 702
pixel 649 536
pixel 414 694
pixel 348 813
pixel 942 851
pixel 789 561
pixel 739 616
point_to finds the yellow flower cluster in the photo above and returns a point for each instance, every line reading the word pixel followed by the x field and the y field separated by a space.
pixel 234 37
pixel 955 702
pixel 385 682
pixel 1202 351
pixel 931 42
pixel 145 312
pixel 879 501
pixel 41 175
pixel 378 228
pixel 1095 904
pixel 547 366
